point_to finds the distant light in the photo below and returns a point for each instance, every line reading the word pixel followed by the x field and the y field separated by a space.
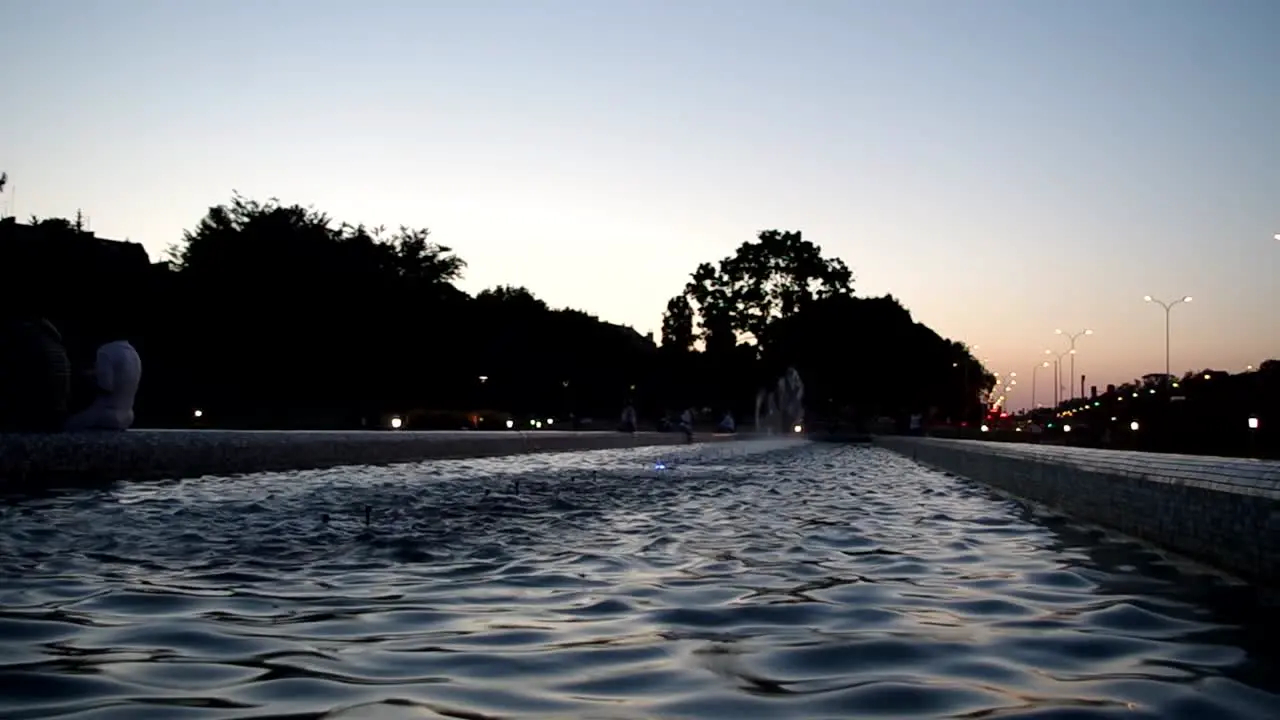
pixel 1097 404
pixel 511 424
pixel 1175 384
pixel 1207 376
pixel 798 428
pixel 1066 428
pixel 1133 426
pixel 551 421
pixel 197 413
pixel 1135 394
pixel 396 422
pixel 484 378
pixel 537 424
pixel 659 466
pixel 984 428
pixel 1113 418
pixel 1017 429
pixel 1152 391
pixel 533 423
pixel 1253 423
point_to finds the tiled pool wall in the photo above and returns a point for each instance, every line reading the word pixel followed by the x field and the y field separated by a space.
pixel 86 459
pixel 1224 512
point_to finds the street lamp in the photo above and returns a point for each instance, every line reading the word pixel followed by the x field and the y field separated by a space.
pixel 1168 308
pixel 1057 373
pixel 1035 370
pixel 1072 337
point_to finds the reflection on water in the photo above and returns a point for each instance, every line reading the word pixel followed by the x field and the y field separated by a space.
pixel 756 580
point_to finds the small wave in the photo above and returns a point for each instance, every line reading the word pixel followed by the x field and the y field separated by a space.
pixel 772 579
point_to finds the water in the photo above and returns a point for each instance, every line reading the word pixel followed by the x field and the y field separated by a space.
pixel 783 405
pixel 773 579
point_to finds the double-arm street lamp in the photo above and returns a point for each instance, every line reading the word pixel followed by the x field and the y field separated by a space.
pixel 1057 373
pixel 1168 308
pixel 1072 337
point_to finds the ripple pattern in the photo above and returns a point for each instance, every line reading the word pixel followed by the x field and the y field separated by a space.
pixel 764 579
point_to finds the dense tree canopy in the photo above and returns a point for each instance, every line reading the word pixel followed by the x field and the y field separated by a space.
pixel 274 315
pixel 773 277
pixel 270 314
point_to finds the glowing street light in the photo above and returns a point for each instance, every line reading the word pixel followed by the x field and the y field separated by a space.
pixel 396 423
pixel 1057 373
pixel 1168 308
pixel 197 413
pixel 1134 426
pixel 1253 423
pixel 511 424
pixel 1072 337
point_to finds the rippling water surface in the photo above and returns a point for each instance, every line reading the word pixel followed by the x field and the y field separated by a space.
pixel 747 581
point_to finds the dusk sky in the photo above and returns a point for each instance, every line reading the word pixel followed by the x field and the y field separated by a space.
pixel 1004 167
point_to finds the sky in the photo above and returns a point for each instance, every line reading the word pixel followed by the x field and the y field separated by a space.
pixel 1003 167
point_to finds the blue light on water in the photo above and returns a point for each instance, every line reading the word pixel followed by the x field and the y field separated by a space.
pixel 659 466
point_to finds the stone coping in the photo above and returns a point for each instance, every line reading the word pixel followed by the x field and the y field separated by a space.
pixel 91 458
pixel 1246 476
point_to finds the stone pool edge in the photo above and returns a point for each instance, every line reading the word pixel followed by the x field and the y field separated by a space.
pixel 1202 508
pixel 34 462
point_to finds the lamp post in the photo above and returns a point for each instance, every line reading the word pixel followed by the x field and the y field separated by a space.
pixel 1035 370
pixel 1057 374
pixel 1072 337
pixel 1168 309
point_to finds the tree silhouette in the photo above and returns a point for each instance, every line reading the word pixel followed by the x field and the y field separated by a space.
pixel 276 315
pixel 773 277
pixel 677 325
pixel 884 364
